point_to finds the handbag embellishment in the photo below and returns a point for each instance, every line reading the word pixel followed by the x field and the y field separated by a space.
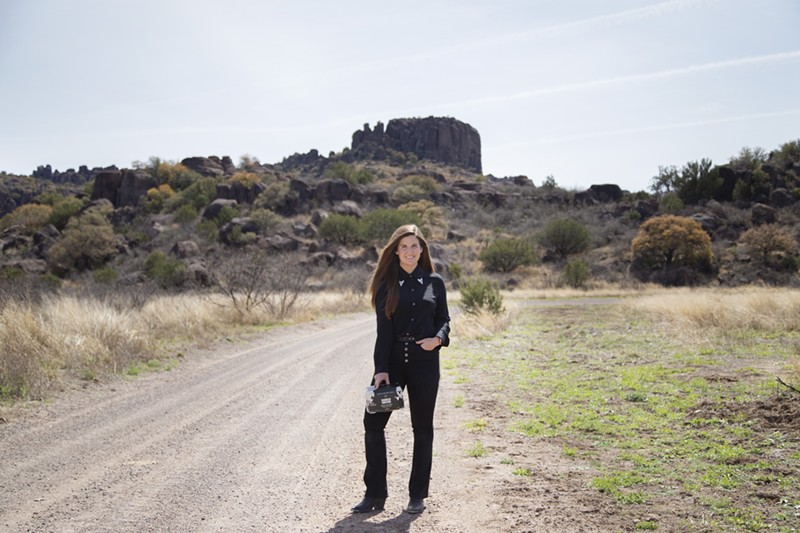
pixel 383 399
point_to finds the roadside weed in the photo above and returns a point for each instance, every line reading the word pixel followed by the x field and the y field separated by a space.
pixel 476 450
pixel 476 426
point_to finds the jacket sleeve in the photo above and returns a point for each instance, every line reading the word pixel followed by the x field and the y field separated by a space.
pixel 441 316
pixel 385 338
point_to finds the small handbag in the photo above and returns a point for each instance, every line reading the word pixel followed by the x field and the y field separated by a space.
pixel 383 399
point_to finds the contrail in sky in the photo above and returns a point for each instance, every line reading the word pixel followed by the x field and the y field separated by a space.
pixel 646 129
pixel 631 78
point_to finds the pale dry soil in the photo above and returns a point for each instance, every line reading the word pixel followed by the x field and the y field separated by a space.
pixel 265 435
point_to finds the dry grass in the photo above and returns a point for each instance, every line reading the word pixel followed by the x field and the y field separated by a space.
pixel 763 309
pixel 66 337
pixel 482 325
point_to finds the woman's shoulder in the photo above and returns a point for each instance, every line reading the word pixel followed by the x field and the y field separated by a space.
pixel 436 277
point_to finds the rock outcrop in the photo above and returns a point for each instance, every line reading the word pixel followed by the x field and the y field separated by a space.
pixel 442 139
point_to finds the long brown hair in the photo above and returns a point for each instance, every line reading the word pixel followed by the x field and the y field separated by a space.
pixel 387 271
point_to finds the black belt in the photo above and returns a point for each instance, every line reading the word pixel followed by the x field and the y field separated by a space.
pixel 405 338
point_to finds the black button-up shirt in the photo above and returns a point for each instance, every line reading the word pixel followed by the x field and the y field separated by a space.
pixel 421 313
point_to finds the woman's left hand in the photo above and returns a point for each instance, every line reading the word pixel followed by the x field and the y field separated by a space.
pixel 430 343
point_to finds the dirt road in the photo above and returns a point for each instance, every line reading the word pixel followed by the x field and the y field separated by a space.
pixel 263 435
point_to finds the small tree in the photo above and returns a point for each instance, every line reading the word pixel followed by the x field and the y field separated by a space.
pixel 342 229
pixel 565 237
pixel 507 254
pixel 669 241
pixel 769 239
pixel 479 295
pixel 576 273
pixel 255 279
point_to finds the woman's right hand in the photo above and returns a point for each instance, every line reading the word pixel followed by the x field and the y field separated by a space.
pixel 381 377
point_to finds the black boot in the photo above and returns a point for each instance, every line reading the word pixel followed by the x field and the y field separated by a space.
pixel 369 504
pixel 415 506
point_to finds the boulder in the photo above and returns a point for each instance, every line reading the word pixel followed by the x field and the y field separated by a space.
pixel 332 191
pixel 205 166
pixel 762 214
pixel 134 184
pixel 781 198
pixel 308 231
pixel 600 194
pixel 106 185
pixel 244 224
pixel 200 275
pixel 213 209
pixel 185 249
pixel 348 208
pixel 283 243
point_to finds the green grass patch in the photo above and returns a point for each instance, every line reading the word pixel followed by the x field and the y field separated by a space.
pixel 477 450
pixel 655 410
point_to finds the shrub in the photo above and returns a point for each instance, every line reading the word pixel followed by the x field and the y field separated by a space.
pixel 266 220
pixel 63 210
pixel 158 196
pixel 87 242
pixel 671 241
pixel 670 203
pixel 185 214
pixel 408 193
pixel 576 273
pixel 198 194
pixel 344 171
pixel 480 294
pixel 277 197
pixel 507 254
pixel 28 218
pixel 165 271
pixel 342 229
pixel 431 216
pixel 105 275
pixel 769 239
pixel 254 279
pixel 225 215
pixel 565 237
pixel 248 179
pixel 378 225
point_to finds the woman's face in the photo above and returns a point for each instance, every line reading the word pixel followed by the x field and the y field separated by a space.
pixel 408 251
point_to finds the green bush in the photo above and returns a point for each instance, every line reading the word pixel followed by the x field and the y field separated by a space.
pixel 185 214
pixel 266 220
pixel 670 203
pixel 105 275
pixel 198 194
pixel 408 193
pixel 342 229
pixel 378 225
pixel 165 271
pixel 345 171
pixel 576 273
pixel 226 214
pixel 87 243
pixel 480 294
pixel 507 254
pixel 565 236
pixel 276 197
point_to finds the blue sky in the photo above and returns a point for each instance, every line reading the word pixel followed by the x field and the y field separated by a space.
pixel 587 91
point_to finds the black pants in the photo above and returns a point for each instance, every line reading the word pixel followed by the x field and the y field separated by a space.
pixel 416 370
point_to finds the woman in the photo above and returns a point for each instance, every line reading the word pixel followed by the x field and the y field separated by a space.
pixel 413 323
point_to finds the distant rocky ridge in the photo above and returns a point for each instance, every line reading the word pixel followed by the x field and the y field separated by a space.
pixel 439 139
